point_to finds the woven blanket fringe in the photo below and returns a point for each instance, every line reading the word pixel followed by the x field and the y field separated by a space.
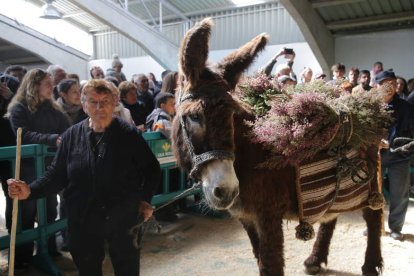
pixel 376 201
pixel 304 231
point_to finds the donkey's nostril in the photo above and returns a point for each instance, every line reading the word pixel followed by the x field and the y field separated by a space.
pixel 218 192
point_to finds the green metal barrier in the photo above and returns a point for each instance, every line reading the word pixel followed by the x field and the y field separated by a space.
pixel 43 230
pixel 160 146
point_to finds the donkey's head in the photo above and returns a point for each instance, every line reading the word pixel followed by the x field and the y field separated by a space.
pixel 203 131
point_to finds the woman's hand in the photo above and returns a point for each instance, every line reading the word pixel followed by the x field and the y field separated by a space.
pixel 18 189
pixel 146 210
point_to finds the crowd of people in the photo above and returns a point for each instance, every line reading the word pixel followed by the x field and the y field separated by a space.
pixel 105 169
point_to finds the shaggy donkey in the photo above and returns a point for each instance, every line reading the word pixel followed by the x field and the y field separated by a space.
pixel 210 142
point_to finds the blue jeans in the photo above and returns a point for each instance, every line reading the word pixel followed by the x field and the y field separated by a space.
pixel 399 185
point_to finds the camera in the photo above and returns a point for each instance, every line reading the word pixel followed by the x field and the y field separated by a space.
pixel 288 51
pixel 4 79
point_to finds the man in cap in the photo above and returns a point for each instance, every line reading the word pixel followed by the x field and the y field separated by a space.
pixel 397 164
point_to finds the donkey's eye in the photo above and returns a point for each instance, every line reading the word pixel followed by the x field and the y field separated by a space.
pixel 195 118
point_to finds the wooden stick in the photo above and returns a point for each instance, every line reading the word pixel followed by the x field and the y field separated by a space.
pixel 15 204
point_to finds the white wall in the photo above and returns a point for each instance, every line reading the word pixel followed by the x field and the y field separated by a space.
pixel 304 57
pixel 394 49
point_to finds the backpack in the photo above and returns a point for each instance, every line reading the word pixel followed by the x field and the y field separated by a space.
pixel 153 118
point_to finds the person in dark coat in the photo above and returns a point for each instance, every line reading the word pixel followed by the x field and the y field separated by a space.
pixel 129 99
pixel 69 100
pixel 8 88
pixel 144 94
pixel 396 164
pixel 109 174
pixel 42 122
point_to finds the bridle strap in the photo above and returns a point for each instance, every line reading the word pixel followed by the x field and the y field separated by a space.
pixel 199 160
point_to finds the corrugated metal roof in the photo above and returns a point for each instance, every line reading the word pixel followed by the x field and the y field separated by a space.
pixel 356 16
pixel 146 10
pixel 340 16
pixel 231 28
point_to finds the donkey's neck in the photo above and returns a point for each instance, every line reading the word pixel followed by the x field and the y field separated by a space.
pixel 248 154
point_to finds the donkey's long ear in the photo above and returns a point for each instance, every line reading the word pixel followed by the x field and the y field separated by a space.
pixel 194 50
pixel 234 64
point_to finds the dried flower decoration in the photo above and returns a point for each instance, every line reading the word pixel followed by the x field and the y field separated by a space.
pixel 297 124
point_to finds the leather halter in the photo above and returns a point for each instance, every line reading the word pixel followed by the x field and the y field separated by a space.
pixel 198 160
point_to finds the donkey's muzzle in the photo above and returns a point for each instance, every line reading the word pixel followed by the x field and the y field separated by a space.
pixel 221 198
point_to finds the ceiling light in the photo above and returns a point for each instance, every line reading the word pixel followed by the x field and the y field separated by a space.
pixel 50 12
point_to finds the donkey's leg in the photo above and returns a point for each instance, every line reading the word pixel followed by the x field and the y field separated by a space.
pixel 373 259
pixel 320 250
pixel 271 256
pixel 253 236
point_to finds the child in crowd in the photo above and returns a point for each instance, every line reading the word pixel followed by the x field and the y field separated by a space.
pixel 161 117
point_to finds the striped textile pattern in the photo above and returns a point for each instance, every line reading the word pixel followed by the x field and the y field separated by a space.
pixel 316 185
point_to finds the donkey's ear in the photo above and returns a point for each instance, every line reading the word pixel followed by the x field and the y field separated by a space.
pixel 234 64
pixel 194 50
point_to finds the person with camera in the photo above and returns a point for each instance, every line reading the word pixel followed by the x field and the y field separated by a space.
pixel 284 69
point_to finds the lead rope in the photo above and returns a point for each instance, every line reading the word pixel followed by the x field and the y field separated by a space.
pixel 138 230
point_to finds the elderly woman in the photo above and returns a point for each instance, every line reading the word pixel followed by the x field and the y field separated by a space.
pixel 109 175
pixel 69 100
pixel 42 120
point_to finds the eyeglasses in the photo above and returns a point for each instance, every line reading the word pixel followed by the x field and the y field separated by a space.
pixel 102 104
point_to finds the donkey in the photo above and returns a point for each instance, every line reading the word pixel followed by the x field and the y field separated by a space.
pixel 210 141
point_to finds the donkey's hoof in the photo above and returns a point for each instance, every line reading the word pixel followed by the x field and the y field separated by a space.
pixel 372 271
pixel 312 269
pixel 371 274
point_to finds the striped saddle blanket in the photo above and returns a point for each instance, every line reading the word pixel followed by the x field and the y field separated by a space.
pixel 319 193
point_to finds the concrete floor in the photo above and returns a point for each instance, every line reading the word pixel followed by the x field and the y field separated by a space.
pixel 205 245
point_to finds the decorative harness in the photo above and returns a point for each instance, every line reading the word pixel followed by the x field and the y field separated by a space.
pixel 198 160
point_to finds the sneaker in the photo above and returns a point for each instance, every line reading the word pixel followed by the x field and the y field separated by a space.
pixel 396 235
pixel 55 254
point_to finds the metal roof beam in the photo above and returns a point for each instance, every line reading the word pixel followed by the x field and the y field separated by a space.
pixel 74 14
pixel 313 28
pixel 174 9
pixel 24 60
pixel 154 43
pixel 327 3
pixel 371 20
